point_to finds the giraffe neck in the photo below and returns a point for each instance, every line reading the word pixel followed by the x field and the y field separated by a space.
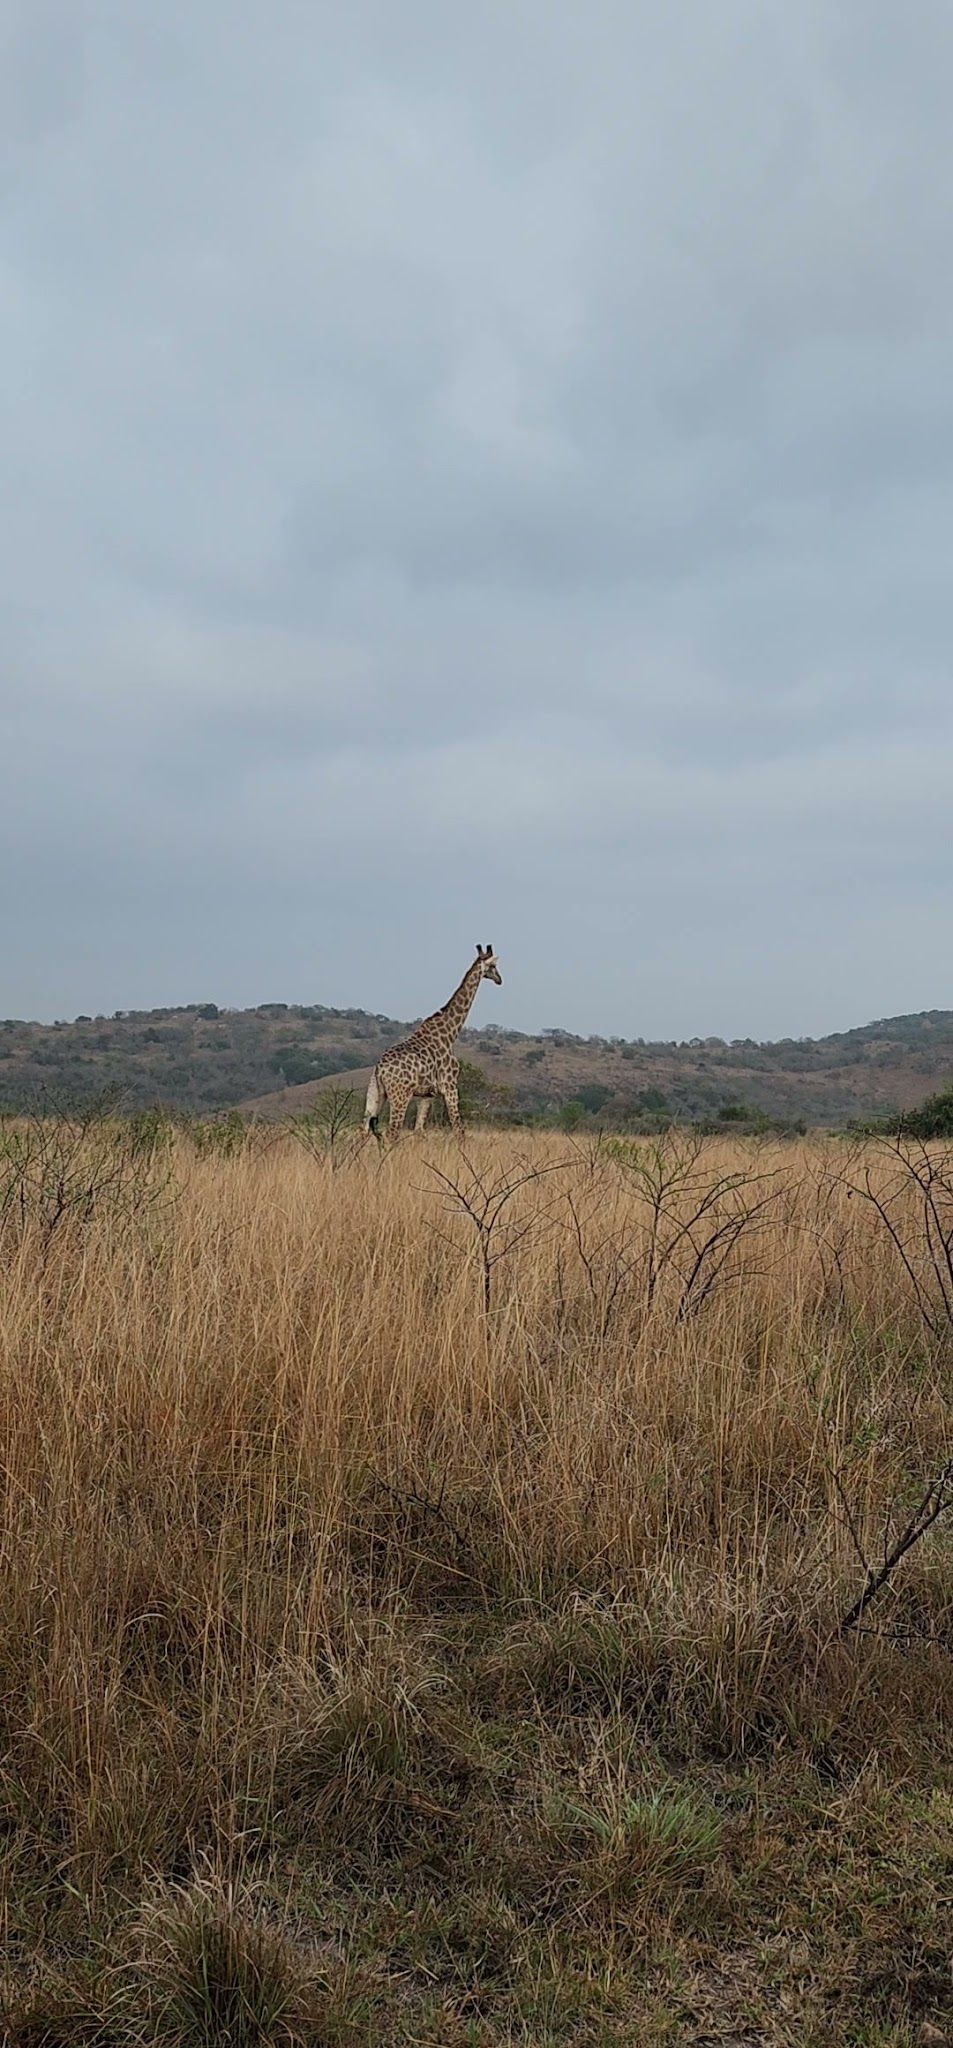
pixel 461 1002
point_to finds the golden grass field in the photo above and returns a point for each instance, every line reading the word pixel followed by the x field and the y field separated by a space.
pixel 420 1629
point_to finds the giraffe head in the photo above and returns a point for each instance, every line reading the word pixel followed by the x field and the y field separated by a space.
pixel 491 971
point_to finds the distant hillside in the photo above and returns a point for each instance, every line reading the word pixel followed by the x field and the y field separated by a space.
pixel 276 1058
pixel 198 1058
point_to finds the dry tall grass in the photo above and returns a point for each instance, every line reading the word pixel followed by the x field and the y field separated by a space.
pixel 313 1472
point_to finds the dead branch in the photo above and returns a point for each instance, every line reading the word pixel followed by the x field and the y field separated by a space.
pixel 934 1503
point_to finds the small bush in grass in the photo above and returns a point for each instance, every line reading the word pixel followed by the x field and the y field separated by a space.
pixel 345 1750
pixel 149 1131
pixel 635 1852
pixel 933 1119
pixel 212 1973
pixel 584 1652
pixel 221 1136
pixel 331 1128
pixel 74 1171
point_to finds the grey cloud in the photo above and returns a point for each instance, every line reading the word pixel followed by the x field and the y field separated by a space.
pixel 478 470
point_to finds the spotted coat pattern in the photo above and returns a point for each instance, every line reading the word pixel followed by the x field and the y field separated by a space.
pixel 424 1065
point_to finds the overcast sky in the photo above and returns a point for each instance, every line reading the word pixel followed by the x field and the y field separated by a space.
pixel 478 473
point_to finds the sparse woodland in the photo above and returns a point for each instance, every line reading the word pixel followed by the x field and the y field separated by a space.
pixel 280 1057
pixel 499 1596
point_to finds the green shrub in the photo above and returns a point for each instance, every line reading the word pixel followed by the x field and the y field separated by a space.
pixel 149 1131
pixel 222 1135
pixel 933 1119
pixel 593 1096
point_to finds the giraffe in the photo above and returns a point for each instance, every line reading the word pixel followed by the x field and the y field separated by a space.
pixel 423 1065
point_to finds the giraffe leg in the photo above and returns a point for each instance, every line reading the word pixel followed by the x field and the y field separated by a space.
pixel 449 1092
pixel 423 1111
pixel 399 1100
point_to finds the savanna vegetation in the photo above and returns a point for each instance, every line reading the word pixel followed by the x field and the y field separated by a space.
pixel 278 1058
pixel 499 1596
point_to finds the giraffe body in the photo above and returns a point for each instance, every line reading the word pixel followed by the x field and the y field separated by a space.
pixel 424 1065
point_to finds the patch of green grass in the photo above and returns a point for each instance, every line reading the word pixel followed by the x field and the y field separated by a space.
pixel 637 1850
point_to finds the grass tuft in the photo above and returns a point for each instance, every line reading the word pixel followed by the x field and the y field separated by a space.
pixel 211 1971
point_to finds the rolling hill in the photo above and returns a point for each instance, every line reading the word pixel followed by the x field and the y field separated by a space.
pixel 277 1058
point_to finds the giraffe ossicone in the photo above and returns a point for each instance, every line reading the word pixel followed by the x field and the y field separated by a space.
pixel 424 1065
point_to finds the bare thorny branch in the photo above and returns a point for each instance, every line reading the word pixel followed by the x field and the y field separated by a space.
pixel 914 1206
pixel 934 1502
pixel 484 1203
pixel 693 1228
pixel 607 1265
pixel 61 1165
pixel 694 1221
pixel 416 1497
pixel 329 1130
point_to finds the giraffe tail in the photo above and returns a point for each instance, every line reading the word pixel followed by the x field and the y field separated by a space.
pixel 372 1105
